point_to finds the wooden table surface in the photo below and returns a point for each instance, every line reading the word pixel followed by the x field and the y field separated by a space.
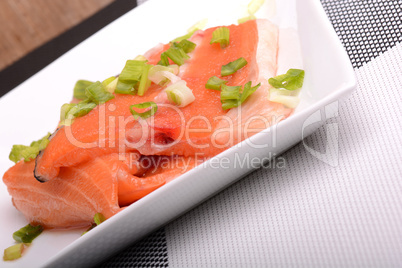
pixel 27 24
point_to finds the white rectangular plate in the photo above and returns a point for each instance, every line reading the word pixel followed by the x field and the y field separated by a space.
pixel 32 109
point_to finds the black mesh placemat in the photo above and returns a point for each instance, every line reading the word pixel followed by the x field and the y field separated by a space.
pixel 366 28
pixel 149 252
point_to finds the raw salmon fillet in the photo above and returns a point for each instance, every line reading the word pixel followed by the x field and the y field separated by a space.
pixel 170 131
pixel 102 185
pixel 96 165
pixel 69 200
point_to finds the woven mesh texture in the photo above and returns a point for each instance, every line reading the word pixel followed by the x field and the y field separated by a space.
pixel 365 27
pixel 149 252
pixel 311 214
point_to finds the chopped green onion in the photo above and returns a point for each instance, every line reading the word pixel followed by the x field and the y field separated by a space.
pixel 111 86
pixel 198 26
pixel 242 20
pixel 186 36
pixel 65 108
pixel 144 81
pixel 97 93
pixel 144 105
pixel 141 58
pixel 186 45
pixel 215 83
pixel 160 74
pixel 177 52
pixel 221 36
pixel 30 152
pixel 99 218
pixel 292 80
pixel 79 89
pixel 177 55
pixel 164 60
pixel 233 66
pixel 19 152
pixel 81 109
pixel 69 111
pixel 129 76
pixel 231 96
pixel 14 252
pixel 247 91
pixel 230 92
pixel 27 234
pixel 289 98
pixel 107 81
pixel 229 104
pixel 254 6
pixel 180 94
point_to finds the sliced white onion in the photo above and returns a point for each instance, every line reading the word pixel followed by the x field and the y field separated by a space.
pixel 112 85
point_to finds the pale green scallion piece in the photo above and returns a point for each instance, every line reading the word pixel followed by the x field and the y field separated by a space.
pixel 179 94
pixel 186 45
pixel 247 91
pixel 14 252
pixel 198 26
pixel 292 80
pixel 233 66
pixel 177 55
pixel 144 81
pixel 97 93
pixel 230 96
pixel 247 18
pixel 215 83
pixel 144 105
pixel 221 36
pixel 27 233
pixel 129 76
pixel 28 153
pixel 79 89
pixel 99 218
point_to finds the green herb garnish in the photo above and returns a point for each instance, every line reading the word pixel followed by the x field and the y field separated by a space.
pixel 144 105
pixel 28 233
pixel 14 252
pixel 97 93
pixel 231 96
pixel 79 89
pixel 292 80
pixel 130 76
pixel 233 66
pixel 215 83
pixel 30 152
pixel 221 36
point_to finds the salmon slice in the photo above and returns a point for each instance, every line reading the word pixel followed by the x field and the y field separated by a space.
pixel 102 185
pixel 194 129
pixel 151 172
pixel 208 129
pixel 70 200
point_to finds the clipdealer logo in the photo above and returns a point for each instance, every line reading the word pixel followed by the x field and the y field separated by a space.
pixel 331 154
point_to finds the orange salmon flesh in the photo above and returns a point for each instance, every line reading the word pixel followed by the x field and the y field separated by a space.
pixel 107 159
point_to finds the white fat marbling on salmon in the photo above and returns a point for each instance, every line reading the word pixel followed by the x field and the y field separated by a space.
pixel 257 112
